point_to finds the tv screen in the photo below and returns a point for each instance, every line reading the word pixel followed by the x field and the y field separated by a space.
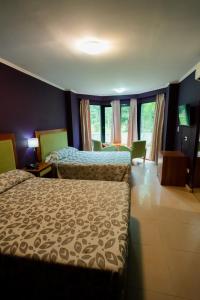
pixel 184 115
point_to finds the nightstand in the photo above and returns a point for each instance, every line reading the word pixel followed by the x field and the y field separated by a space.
pixel 43 170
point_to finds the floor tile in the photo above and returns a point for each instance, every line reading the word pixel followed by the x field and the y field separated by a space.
pixel 148 269
pixel 164 260
pixel 185 274
pixel 188 217
pixel 144 232
pixel 180 236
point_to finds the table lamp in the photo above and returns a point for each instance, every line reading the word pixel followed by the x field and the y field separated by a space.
pixel 33 143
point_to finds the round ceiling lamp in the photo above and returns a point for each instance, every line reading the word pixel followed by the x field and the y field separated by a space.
pixel 120 90
pixel 93 47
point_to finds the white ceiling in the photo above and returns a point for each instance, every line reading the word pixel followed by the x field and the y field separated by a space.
pixel 153 42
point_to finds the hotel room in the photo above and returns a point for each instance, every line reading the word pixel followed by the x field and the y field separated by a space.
pixel 100 149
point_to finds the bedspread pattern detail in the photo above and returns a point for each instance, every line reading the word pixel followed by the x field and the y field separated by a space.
pixel 67 222
pixel 109 166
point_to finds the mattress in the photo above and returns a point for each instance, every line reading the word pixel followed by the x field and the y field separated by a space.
pixel 71 223
pixel 91 165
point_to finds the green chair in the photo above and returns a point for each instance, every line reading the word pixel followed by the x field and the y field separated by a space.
pixel 97 145
pixel 124 148
pixel 138 150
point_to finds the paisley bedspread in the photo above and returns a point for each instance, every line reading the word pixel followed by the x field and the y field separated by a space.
pixel 69 222
pixel 89 165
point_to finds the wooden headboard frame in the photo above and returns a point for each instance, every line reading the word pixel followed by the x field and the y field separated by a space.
pixel 10 136
pixel 38 133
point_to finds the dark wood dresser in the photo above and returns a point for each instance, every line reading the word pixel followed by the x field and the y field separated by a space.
pixel 172 168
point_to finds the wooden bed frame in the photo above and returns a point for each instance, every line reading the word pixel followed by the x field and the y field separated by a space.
pixel 38 134
pixel 10 136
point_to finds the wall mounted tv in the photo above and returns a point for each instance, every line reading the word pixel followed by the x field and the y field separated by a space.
pixel 184 115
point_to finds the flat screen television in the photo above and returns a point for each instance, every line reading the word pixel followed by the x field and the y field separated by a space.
pixel 184 114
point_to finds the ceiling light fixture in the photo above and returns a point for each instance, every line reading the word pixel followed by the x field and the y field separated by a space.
pixel 119 90
pixel 93 47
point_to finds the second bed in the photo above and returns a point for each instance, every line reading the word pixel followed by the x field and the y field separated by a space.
pixel 71 163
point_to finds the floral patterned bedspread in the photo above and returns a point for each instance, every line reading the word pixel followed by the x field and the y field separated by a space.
pixel 112 166
pixel 70 222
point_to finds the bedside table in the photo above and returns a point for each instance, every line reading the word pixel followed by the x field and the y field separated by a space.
pixel 42 170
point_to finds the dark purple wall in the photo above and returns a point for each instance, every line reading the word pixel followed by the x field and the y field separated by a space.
pixel 73 119
pixel 171 105
pixel 189 93
pixel 28 104
pixel 189 90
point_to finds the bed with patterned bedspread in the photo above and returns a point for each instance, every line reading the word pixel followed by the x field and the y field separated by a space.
pixel 71 163
pixel 70 224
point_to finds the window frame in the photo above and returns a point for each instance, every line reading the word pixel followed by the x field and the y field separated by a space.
pixel 102 119
pixel 139 106
pixel 126 102
pixel 102 116
pixel 123 105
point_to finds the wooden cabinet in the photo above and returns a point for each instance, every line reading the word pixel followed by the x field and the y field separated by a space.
pixel 172 168
pixel 196 173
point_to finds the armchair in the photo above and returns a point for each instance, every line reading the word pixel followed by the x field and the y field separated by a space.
pixel 138 150
pixel 97 145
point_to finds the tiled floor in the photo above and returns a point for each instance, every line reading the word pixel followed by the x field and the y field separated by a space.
pixel 164 260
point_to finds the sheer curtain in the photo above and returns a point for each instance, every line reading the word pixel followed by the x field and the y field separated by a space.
pixel 86 125
pixel 158 127
pixel 116 124
pixel 132 123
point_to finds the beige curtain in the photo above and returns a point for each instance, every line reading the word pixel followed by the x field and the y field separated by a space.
pixel 116 126
pixel 158 128
pixel 85 125
pixel 132 123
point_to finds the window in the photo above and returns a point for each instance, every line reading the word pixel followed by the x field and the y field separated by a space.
pixel 124 123
pixel 101 122
pixel 108 124
pixel 95 117
pixel 147 123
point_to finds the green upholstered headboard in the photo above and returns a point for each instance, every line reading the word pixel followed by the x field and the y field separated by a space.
pixel 50 140
pixel 7 152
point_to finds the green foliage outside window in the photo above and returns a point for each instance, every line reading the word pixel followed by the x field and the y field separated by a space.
pixel 108 124
pixel 147 116
pixel 124 123
pixel 124 118
pixel 147 122
pixel 95 118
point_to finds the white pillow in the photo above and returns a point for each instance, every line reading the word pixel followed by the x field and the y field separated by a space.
pixel 12 178
pixel 60 154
